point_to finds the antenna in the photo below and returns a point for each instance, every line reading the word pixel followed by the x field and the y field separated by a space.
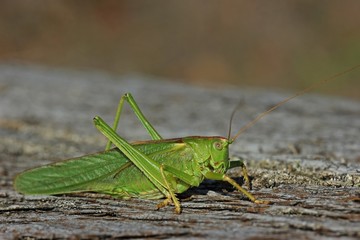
pixel 231 119
pixel 302 92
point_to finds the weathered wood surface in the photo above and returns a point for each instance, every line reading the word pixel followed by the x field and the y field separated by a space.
pixel 305 158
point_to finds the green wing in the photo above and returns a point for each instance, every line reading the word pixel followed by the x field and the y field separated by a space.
pixel 99 172
pixel 70 175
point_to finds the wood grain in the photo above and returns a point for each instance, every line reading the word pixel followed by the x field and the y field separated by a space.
pixel 304 158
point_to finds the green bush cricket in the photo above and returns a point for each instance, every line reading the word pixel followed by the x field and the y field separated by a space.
pixel 154 169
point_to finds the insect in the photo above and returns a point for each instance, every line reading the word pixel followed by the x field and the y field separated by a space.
pixel 154 169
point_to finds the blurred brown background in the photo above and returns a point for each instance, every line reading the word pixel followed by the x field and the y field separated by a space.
pixel 280 44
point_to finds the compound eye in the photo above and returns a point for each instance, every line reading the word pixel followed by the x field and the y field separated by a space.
pixel 218 145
